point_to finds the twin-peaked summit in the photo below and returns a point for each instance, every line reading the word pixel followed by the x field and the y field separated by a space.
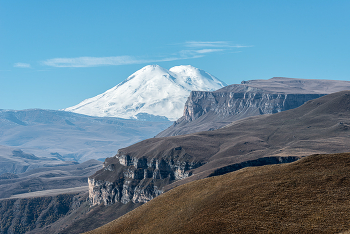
pixel 151 90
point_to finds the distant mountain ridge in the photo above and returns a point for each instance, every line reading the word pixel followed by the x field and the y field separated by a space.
pixel 67 136
pixel 152 90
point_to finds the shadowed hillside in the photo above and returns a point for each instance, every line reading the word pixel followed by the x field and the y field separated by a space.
pixel 307 196
pixel 317 127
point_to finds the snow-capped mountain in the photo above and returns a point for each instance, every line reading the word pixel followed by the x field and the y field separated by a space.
pixel 151 90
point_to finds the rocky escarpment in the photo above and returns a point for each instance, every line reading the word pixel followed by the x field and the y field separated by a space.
pixel 248 102
pixel 125 178
pixel 212 110
pixel 205 111
pixel 130 179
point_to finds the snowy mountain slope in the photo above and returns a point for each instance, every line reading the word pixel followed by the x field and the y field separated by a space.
pixel 152 90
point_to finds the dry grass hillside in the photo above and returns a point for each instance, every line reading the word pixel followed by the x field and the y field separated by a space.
pixel 307 196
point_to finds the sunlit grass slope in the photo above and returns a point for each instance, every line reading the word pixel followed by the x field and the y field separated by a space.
pixel 311 195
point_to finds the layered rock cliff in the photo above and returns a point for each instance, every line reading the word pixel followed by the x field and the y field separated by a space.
pixel 205 111
pixel 125 178
pixel 139 180
pixel 250 102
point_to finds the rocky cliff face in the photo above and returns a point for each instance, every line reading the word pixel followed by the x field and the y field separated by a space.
pixel 125 178
pixel 139 180
pixel 249 102
pixel 205 111
pixel 131 178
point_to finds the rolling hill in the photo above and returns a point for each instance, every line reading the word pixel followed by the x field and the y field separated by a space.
pixel 306 196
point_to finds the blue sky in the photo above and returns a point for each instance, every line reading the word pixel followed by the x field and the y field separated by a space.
pixel 54 54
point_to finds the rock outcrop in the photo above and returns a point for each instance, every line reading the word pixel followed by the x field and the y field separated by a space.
pixel 130 179
pixel 125 178
pixel 205 111
pixel 249 103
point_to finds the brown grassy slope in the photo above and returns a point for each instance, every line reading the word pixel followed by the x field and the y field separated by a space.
pixel 307 196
